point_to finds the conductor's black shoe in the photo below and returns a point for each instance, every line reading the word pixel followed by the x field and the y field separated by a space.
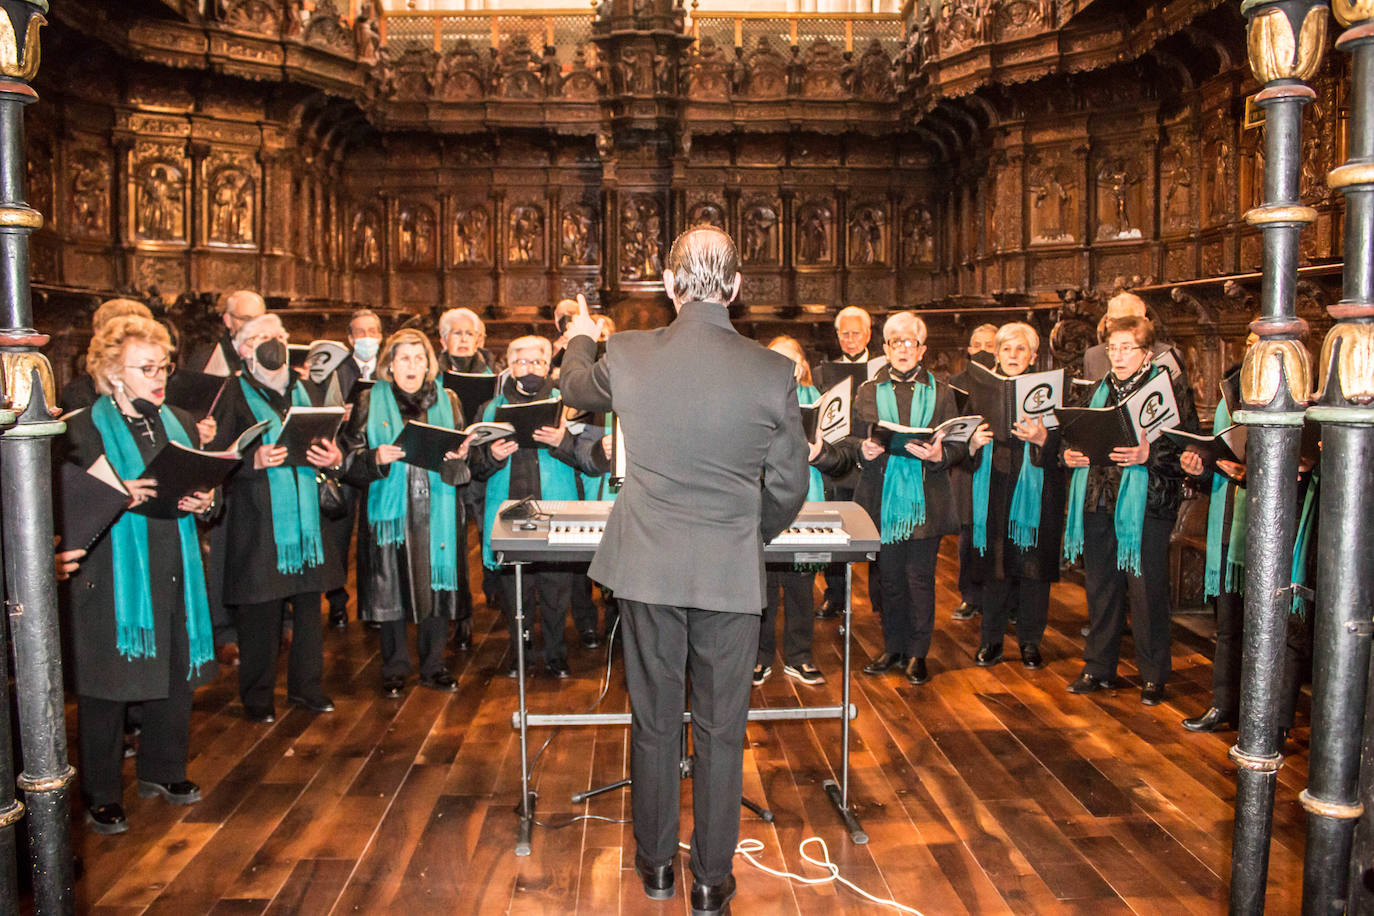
pixel 711 899
pixel 558 668
pixel 806 672
pixel 885 662
pixel 178 793
pixel 108 819
pixel 1087 683
pixel 259 714
pixel 1152 694
pixel 442 682
pixel 1031 658
pixel 462 635
pixel 589 639
pixel 1213 720
pixel 761 674
pixel 392 687
pixel 964 611
pixel 317 703
pixel 658 879
pixel 338 617
pixel 916 672
pixel 988 655
pixel 829 610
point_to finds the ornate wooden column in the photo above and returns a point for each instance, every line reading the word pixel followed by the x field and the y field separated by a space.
pixel 1337 793
pixel 1285 40
pixel 26 489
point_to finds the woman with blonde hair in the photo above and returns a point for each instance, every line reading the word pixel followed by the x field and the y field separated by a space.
pixel 139 622
pixel 411 560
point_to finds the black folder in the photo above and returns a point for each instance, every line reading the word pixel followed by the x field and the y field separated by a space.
pixel 181 470
pixel 304 426
pixel 195 392
pixel 1096 431
pixel 526 418
pixel 995 396
pixel 1227 445
pixel 425 444
pixel 89 501
pixel 473 390
pixel 894 437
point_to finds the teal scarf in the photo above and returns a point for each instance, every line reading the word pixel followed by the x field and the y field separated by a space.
pixel 1129 519
pixel 1233 555
pixel 815 488
pixel 134 632
pixel 388 499
pixel 1302 544
pixel 1023 523
pixel 294 493
pixel 904 492
pixel 597 487
pixel 557 481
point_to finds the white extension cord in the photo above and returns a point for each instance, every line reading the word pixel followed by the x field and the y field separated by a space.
pixel 748 847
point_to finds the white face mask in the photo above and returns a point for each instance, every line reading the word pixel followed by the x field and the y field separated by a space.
pixel 365 348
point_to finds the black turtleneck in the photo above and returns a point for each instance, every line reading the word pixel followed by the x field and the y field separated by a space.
pixel 474 363
pixel 415 406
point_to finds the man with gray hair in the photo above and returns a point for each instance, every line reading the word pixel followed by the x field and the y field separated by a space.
pixel 1128 305
pixel 706 415
pixel 219 357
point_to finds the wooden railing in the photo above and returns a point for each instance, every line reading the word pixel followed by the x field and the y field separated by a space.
pixel 847 30
pixel 441 29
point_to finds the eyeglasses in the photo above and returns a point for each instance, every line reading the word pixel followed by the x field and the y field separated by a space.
pixel 1122 350
pixel 528 363
pixel 907 343
pixel 153 371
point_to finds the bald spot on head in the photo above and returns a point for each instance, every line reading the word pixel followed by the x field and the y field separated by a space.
pixel 1125 305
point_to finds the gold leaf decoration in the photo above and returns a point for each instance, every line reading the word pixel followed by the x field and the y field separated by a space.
pixel 1349 12
pixel 1354 366
pixel 10 63
pixel 1275 53
pixel 1267 364
pixel 18 369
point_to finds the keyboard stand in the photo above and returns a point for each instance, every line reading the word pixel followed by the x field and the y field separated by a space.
pixel 525 809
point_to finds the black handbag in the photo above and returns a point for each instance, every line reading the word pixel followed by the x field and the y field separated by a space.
pixel 333 500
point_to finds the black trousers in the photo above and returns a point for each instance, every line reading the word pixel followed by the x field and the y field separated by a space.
pixel 548 591
pixel 161 745
pixel 1029 598
pixel 221 616
pixel 665 647
pixel 907 570
pixel 344 529
pixel 1230 611
pixel 834 573
pixel 430 636
pixel 259 627
pixel 583 604
pixel 799 617
pixel 970 589
pixel 1112 591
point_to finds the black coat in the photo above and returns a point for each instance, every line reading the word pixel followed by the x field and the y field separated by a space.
pixel 94 663
pixel 393 580
pixel 941 517
pixel 524 464
pixel 199 358
pixel 1003 559
pixel 250 549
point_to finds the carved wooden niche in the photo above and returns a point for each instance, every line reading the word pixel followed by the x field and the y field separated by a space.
pixel 257 17
pixel 365 239
pixel 1219 168
pixel 159 194
pixel 578 236
pixel 525 235
pixel 641 238
pixel 1176 184
pixel 706 212
pixel 471 236
pixel 521 76
pixel 230 201
pixel 461 74
pixel 1051 198
pixel 709 72
pixel 873 74
pixel 581 84
pixel 868 234
pixel 415 235
pixel 89 194
pixel 759 232
pixel 1120 198
pixel 814 237
pixel 765 72
pixel 918 237
pixel 824 71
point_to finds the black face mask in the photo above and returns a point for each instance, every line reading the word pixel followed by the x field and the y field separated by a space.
pixel 271 355
pixel 529 382
pixel 984 358
pixel 145 407
pixel 561 322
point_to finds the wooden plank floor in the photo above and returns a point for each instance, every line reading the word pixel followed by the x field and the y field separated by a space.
pixel 984 791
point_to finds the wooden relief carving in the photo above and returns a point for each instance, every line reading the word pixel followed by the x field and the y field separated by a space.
pixel 710 72
pixel 868 230
pixel 525 244
pixel 761 289
pixel 367 34
pixel 759 228
pixel 257 17
pixel 1023 17
pixel 1052 205
pixel 1120 210
pixel 90 194
pixel 39 171
pixel 521 76
pixel 635 71
pixel 578 236
pixel 1176 185
pixel 918 237
pixel 823 71
pixel 706 213
pixel 230 197
pixel 326 30
pixel 963 23
pixel 461 74
pixel 873 75
pixel 366 239
pixel 815 232
pixel 581 84
pixel 1221 180
pixel 765 72
pixel 471 237
pixel 641 238
pixel 159 195
pixel 415 236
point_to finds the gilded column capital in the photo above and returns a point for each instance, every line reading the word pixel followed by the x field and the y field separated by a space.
pixel 1286 38
pixel 20 49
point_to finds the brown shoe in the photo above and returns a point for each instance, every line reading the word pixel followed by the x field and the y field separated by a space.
pixel 228 655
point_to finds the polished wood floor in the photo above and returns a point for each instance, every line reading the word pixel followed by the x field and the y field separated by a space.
pixel 985 791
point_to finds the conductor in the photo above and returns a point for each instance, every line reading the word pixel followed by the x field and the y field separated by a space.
pixel 707 415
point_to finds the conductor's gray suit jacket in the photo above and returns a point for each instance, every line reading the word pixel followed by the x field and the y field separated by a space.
pixel 716 458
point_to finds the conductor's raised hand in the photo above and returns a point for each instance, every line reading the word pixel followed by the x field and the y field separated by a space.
pixel 583 324
pixel 142 489
pixel 1031 430
pixel 324 453
pixel 269 456
pixel 502 449
pixel 389 453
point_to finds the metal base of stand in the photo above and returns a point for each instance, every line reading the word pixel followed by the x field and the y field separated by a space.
pixel 851 823
pixel 524 814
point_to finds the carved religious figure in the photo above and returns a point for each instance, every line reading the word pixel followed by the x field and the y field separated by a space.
pixel 814 222
pixel 159 213
pixel 760 234
pixel 231 207
pixel 578 236
pixel 367 251
pixel 918 237
pixel 526 232
pixel 706 213
pixel 873 75
pixel 1116 179
pixel 1051 207
pixel 415 236
pixel 90 194
pixel 641 238
pixel 367 35
pixel 1176 185
pixel 866 227
pixel 470 237
pixel 1221 200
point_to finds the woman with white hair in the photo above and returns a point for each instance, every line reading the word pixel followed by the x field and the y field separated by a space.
pixel 908 493
pixel 273 542
pixel 1017 515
